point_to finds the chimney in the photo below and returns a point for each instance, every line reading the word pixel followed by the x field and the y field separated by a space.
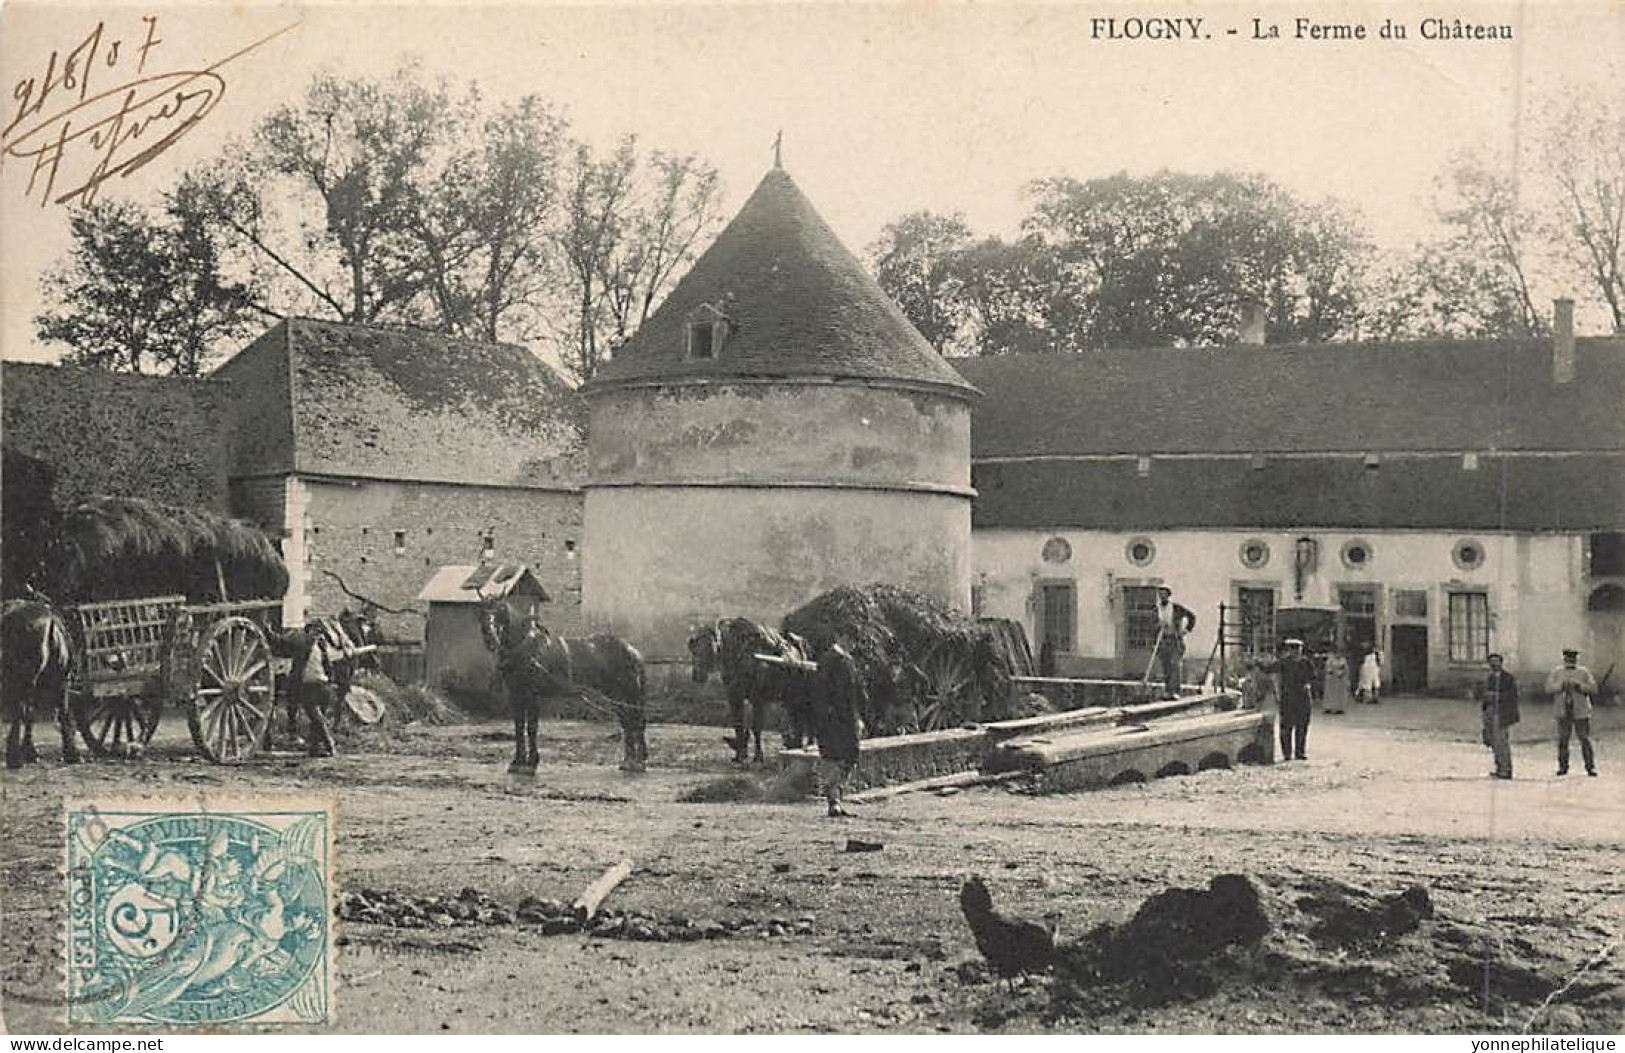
pixel 1250 315
pixel 1562 340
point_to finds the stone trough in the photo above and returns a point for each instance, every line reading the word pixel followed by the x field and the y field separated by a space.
pixel 1086 758
pixel 1073 749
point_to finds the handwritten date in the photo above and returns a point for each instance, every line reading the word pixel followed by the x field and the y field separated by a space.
pixel 95 112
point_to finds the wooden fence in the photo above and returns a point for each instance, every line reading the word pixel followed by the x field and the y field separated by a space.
pixel 402 660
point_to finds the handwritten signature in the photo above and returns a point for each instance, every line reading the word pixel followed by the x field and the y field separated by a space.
pixel 95 133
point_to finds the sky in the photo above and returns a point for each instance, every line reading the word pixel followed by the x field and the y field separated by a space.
pixel 884 108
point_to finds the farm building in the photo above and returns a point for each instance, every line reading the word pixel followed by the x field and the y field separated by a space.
pixel 775 429
pixel 1449 499
pixel 372 455
pixel 379 455
pixel 454 652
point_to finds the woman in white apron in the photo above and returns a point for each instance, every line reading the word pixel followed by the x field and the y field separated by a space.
pixel 1370 686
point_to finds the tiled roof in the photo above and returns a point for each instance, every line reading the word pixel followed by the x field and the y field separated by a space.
pixel 1529 492
pixel 332 399
pixel 117 434
pixel 797 304
pixel 1461 395
pixel 471 584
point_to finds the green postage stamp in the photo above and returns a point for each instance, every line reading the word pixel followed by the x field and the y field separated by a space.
pixel 199 913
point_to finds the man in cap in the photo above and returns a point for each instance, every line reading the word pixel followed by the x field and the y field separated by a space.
pixel 1571 686
pixel 1500 706
pixel 1297 674
pixel 1173 622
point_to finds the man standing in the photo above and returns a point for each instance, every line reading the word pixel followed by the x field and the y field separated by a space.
pixel 1500 705
pixel 1571 686
pixel 1173 622
pixel 1297 695
pixel 316 693
pixel 838 698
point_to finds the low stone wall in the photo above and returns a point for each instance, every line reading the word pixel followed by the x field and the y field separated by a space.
pixel 903 758
pixel 1091 757
pixel 908 758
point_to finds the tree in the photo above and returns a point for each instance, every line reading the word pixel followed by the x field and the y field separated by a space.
pixel 1476 278
pixel 143 292
pixel 325 195
pixel 1582 155
pixel 1168 258
pixel 629 227
pixel 484 229
pixel 404 201
pixel 913 260
pixel 1009 297
pixel 1444 289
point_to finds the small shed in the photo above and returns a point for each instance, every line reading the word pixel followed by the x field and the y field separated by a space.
pixel 454 652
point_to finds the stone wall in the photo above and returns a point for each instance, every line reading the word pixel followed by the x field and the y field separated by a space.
pixel 661 560
pixel 348 526
pixel 846 433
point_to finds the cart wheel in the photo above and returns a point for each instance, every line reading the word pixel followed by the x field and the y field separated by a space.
pixel 115 725
pixel 950 696
pixel 230 706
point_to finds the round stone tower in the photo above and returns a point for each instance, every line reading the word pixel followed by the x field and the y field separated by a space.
pixel 775 429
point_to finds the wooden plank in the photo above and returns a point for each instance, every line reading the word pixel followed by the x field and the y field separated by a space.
pixel 108 605
pixel 939 782
pixel 592 897
pixel 787 662
pixel 234 607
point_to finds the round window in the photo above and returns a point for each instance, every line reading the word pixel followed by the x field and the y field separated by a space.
pixel 1468 554
pixel 1140 551
pixel 1057 550
pixel 1357 555
pixel 1255 553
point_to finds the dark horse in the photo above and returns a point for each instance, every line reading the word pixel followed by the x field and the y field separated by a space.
pixel 37 660
pixel 729 647
pixel 536 663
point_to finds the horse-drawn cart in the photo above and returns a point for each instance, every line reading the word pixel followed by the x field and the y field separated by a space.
pixel 135 657
pixel 925 665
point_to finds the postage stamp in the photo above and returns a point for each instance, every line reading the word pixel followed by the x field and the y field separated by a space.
pixel 199 912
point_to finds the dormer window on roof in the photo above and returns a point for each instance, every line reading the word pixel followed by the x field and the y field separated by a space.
pixel 707 332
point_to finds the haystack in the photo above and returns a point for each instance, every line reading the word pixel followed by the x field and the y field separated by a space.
pixel 114 548
pixel 890 631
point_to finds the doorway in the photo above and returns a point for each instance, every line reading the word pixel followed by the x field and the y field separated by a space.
pixel 1057 630
pixel 1358 606
pixel 1408 659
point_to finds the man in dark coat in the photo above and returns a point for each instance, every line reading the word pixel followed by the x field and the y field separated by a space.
pixel 838 698
pixel 1297 697
pixel 1500 706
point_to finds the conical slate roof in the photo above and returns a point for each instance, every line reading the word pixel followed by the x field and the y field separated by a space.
pixel 797 304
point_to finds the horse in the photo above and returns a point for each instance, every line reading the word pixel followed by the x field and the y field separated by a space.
pixel 536 663
pixel 729 647
pixel 37 660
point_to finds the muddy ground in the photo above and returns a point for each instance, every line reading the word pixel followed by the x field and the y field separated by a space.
pixel 804 936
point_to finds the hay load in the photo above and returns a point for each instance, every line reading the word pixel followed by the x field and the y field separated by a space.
pixel 113 548
pixel 925 664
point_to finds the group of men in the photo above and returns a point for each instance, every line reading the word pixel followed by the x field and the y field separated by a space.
pixel 1572 688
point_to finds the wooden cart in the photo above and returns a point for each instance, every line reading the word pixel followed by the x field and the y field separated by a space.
pixel 134 657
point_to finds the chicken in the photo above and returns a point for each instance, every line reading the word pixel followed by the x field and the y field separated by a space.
pixel 1010 945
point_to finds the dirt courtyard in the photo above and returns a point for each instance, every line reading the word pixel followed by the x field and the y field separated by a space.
pixel 814 938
